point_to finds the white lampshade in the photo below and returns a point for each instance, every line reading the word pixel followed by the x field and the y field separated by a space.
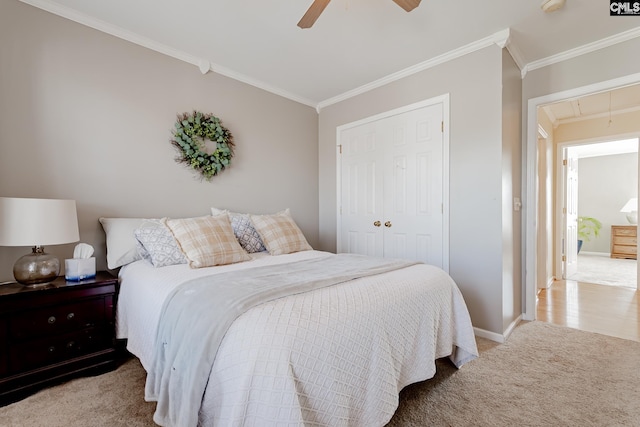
pixel 632 205
pixel 631 209
pixel 37 222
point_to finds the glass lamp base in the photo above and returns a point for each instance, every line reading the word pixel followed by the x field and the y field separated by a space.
pixel 36 268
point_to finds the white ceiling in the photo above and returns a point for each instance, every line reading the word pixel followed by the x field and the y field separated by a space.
pixel 603 104
pixel 608 148
pixel 354 43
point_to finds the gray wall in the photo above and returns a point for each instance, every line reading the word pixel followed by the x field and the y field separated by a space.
pixel 87 116
pixel 476 171
pixel 512 183
pixel 605 184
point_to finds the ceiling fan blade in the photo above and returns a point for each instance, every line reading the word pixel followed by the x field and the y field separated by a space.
pixel 407 5
pixel 313 13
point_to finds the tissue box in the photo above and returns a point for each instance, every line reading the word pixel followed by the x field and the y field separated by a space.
pixel 76 269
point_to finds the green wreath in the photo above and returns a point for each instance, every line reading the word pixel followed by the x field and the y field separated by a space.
pixel 188 137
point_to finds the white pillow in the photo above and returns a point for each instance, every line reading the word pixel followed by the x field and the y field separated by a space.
pixel 207 241
pixel 121 241
pixel 279 233
pixel 157 245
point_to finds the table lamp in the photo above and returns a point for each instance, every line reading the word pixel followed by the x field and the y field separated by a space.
pixel 37 222
pixel 631 209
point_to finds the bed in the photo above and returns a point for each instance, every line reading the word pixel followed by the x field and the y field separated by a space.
pixel 334 354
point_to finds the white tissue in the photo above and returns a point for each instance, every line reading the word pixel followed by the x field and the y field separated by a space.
pixel 83 250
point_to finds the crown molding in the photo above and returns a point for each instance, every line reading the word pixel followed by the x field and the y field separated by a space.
pixel 201 63
pixel 499 38
pixel 518 58
pixel 584 49
pixel 541 132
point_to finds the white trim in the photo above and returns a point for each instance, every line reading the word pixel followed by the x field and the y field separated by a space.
pixel 550 281
pixel 602 254
pixel 584 49
pixel 135 38
pixel 511 327
pixel 531 172
pixel 541 132
pixel 497 38
pixel 518 58
pixel 444 101
pixel 483 333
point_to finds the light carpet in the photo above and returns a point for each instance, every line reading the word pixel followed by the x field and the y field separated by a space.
pixel 545 375
pixel 604 270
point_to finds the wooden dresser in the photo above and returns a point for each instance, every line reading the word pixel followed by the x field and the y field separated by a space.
pixel 624 241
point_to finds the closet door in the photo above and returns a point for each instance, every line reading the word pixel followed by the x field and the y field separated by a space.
pixel 413 180
pixel 391 191
pixel 361 191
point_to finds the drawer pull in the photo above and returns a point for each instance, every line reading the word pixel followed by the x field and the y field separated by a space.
pixel 51 320
pixel 52 349
pixel 70 316
pixel 70 344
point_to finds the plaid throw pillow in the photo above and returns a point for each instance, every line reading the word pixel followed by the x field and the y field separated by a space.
pixel 207 241
pixel 279 233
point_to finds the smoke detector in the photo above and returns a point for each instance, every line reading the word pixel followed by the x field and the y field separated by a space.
pixel 551 5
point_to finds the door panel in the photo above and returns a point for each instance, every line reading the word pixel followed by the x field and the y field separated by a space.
pixel 360 199
pixel 413 199
pixel 571 217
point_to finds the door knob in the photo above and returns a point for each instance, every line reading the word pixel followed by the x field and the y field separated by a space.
pixel 377 223
pixel 387 224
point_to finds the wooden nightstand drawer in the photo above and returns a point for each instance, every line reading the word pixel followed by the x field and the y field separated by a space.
pixel 625 250
pixel 624 231
pixel 49 350
pixel 626 241
pixel 58 319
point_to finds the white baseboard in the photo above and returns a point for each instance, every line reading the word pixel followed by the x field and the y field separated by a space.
pixel 483 333
pixel 606 254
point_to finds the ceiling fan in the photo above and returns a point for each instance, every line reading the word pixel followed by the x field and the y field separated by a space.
pixel 318 6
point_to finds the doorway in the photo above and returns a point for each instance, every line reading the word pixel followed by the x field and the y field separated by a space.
pixel 606 180
pixel 532 188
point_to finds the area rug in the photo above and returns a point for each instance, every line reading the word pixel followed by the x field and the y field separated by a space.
pixel 544 375
pixel 603 270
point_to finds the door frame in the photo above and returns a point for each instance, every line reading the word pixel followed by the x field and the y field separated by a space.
pixel 531 171
pixel 444 101
pixel 561 198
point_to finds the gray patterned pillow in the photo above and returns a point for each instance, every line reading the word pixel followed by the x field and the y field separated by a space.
pixel 157 245
pixel 244 231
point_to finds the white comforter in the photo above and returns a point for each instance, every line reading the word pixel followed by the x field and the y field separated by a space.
pixel 336 356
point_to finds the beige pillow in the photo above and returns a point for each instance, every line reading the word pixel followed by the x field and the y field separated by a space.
pixel 207 241
pixel 279 233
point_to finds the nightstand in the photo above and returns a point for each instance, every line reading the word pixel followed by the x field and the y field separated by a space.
pixel 624 241
pixel 54 332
